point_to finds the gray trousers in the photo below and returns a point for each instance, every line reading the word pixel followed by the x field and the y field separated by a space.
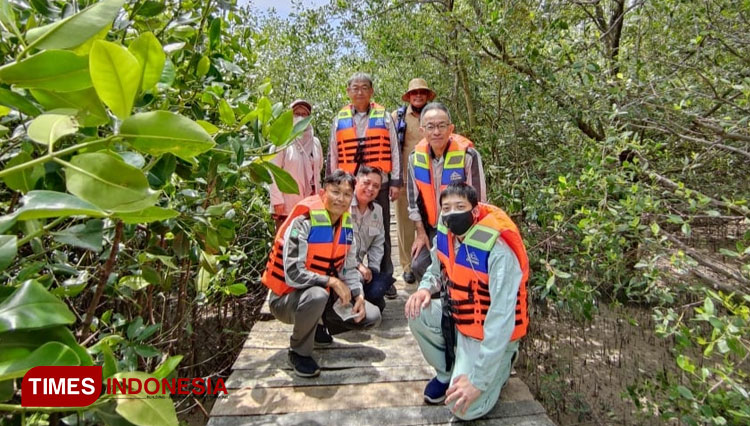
pixel 421 262
pixel 304 308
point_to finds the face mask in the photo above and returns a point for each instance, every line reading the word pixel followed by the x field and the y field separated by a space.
pixel 459 222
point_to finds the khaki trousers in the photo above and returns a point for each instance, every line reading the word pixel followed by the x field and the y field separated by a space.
pixel 406 231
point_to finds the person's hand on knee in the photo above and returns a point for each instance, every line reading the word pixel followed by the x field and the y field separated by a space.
pixel 463 393
pixel 416 302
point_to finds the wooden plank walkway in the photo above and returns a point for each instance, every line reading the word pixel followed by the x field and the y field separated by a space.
pixel 367 378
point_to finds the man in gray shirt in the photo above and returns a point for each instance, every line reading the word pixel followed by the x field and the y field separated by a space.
pixel 367 218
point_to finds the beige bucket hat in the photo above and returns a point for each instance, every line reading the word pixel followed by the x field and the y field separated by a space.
pixel 416 84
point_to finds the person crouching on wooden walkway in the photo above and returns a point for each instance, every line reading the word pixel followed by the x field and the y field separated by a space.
pixel 368 232
pixel 470 309
pixel 312 264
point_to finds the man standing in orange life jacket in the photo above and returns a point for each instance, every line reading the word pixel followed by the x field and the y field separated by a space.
pixel 440 158
pixel 363 133
pixel 312 264
pixel 470 335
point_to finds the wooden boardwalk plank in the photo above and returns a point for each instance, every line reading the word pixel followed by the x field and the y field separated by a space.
pixel 346 376
pixel 527 413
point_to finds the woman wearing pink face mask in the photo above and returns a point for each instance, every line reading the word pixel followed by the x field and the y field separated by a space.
pixel 303 159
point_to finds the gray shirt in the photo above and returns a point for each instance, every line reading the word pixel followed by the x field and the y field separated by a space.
pixel 474 177
pixel 505 275
pixel 295 257
pixel 361 121
pixel 369 234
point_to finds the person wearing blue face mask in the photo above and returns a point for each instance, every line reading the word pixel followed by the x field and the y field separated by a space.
pixel 470 310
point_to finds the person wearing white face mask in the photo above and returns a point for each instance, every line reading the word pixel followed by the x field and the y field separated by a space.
pixel 303 159
pixel 470 310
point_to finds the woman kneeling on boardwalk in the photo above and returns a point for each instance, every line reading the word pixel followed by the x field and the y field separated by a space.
pixel 314 253
pixel 470 309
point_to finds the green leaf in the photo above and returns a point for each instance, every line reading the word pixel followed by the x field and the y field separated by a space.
pixel 208 127
pixel 150 55
pixel 58 70
pixel 708 306
pixel 146 351
pixel 204 64
pixel 281 128
pixel 89 236
pixel 167 367
pixel 31 306
pixel 76 29
pixel 159 175
pixel 151 8
pixel 134 282
pixel 226 113
pixel 8 250
pixel 237 289
pixel 7 17
pixel 25 341
pixel 46 129
pixel 685 364
pixel 18 102
pixel 91 112
pixel 684 392
pixel 109 183
pixel 3 130
pixel 265 110
pixel 214 33
pixel 167 75
pixel 51 353
pixel 23 180
pixel 283 179
pixel 160 132
pixel 116 75
pixel 143 411
pixel 48 204
pixel 147 215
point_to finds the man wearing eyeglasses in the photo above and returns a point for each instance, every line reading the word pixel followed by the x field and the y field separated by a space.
pixel 439 159
pixel 363 134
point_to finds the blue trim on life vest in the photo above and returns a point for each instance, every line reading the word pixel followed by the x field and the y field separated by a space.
pixel 376 123
pixel 344 123
pixel 346 237
pixel 320 235
pixel 421 174
pixel 479 258
pixel 447 173
pixel 442 243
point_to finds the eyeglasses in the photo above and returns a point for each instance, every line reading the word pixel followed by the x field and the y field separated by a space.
pixel 440 126
pixel 359 89
pixel 423 92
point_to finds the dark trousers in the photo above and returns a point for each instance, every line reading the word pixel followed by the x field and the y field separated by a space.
pixel 386 265
pixel 422 260
pixel 376 288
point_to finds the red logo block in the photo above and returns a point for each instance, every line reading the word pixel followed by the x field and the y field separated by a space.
pixel 45 386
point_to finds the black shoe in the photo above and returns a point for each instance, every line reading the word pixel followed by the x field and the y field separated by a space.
pixel 391 292
pixel 322 338
pixel 304 366
pixel 409 277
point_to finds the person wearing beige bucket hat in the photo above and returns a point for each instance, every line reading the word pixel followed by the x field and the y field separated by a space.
pixel 417 95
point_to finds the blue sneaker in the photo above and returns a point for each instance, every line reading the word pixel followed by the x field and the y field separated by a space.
pixel 434 392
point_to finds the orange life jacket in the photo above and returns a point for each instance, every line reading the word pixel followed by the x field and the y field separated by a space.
pixel 374 149
pixel 327 246
pixel 453 171
pixel 468 287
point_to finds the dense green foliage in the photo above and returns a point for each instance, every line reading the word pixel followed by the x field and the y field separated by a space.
pixel 615 132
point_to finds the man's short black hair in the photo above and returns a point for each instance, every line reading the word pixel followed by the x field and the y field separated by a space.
pixel 365 170
pixel 338 177
pixel 462 190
